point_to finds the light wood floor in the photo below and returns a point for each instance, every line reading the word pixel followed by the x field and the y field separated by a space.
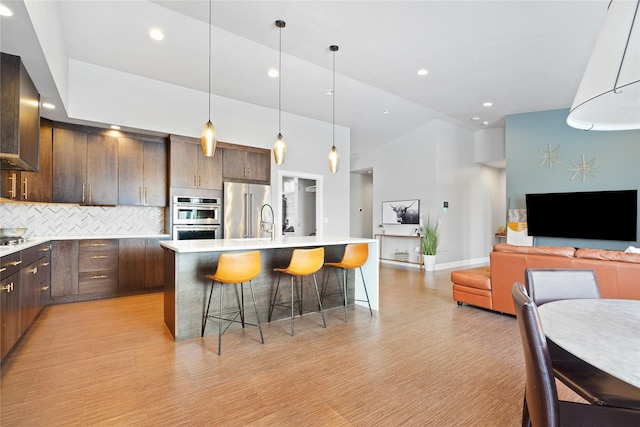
pixel 420 361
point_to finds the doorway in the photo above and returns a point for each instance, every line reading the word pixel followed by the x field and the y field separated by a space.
pixel 300 203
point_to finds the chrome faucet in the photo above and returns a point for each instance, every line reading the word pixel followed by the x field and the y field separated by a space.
pixel 268 226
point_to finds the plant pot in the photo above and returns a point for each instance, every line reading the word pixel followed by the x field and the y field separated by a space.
pixel 429 262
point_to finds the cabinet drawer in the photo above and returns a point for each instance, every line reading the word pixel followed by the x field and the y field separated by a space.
pixel 36 252
pixel 98 245
pixel 97 281
pixel 97 261
pixel 9 265
pixel 44 270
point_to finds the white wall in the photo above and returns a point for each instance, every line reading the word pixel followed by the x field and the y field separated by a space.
pixel 361 205
pixel 435 163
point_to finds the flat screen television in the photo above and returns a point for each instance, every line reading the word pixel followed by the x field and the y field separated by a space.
pixel 601 215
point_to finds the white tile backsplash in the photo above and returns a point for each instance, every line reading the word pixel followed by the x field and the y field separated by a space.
pixel 51 219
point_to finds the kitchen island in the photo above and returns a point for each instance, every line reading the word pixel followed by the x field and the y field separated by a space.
pixel 187 262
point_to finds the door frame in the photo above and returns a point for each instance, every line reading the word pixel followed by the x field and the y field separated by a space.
pixel 319 197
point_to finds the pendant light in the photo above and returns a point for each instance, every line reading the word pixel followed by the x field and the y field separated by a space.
pixel 334 158
pixel 208 138
pixel 608 97
pixel 280 147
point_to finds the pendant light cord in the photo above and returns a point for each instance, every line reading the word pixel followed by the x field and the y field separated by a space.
pixel 333 94
pixel 280 84
pixel 209 60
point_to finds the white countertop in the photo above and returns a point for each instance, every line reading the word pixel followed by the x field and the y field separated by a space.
pixel 34 241
pixel 192 246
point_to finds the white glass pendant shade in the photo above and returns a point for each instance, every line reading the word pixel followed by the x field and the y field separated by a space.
pixel 279 149
pixel 208 139
pixel 608 97
pixel 334 159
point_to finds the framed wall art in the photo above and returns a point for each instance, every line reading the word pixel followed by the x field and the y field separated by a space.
pixel 401 212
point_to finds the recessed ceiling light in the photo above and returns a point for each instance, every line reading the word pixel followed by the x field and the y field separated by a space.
pixel 475 118
pixel 156 34
pixel 5 11
pixel 48 105
pixel 487 104
pixel 273 73
pixel 386 111
pixel 422 72
pixel 115 127
pixel 329 92
pixel 485 122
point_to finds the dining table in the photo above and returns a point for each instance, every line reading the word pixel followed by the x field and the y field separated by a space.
pixel 603 332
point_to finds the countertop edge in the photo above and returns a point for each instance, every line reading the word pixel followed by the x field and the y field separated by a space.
pixel 34 241
pixel 221 245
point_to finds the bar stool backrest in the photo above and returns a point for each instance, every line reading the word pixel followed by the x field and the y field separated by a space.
pixel 238 267
pixel 355 255
pixel 306 261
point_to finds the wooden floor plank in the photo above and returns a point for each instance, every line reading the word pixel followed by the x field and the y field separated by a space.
pixel 421 360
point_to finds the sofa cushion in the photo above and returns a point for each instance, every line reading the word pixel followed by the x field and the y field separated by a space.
pixel 563 251
pixel 608 255
pixel 479 277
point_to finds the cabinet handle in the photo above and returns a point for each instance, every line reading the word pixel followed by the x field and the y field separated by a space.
pixel 7 288
pixel 99 257
pixel 45 248
pixel 102 276
pixel 3 269
pixel 90 194
pixel 14 263
pixel 94 245
pixel 44 288
pixel 145 196
pixel 199 181
pixel 25 194
pixel 34 270
pixel 195 183
pixel 12 185
pixel 140 195
pixel 44 264
pixel 82 192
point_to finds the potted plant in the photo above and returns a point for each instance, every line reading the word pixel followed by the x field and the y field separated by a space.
pixel 430 240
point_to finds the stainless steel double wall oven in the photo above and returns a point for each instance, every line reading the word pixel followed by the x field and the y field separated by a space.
pixel 196 218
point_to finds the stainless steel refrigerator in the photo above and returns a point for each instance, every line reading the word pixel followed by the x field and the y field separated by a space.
pixel 242 204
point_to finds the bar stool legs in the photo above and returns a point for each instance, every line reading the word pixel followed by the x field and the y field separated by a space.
pixel 234 269
pixel 355 256
pixel 304 262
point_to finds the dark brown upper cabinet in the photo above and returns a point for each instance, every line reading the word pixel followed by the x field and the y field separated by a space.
pixel 20 118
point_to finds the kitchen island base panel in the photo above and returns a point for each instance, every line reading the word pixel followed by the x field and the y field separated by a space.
pixel 186 289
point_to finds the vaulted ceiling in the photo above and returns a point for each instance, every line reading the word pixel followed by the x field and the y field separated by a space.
pixel 521 56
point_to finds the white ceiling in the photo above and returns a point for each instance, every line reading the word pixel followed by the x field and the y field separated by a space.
pixel 522 56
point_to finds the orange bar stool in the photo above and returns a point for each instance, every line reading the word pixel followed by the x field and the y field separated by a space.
pixel 304 262
pixel 233 269
pixel 355 256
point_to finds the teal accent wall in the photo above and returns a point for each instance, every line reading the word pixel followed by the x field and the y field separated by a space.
pixel 528 137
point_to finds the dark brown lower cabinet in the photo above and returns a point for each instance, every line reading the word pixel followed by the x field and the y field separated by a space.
pixel 64 268
pixel 9 312
pixel 140 264
pixel 83 269
pixel 27 272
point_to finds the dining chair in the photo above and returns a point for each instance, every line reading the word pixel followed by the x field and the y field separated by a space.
pixel 592 384
pixel 541 406
pixel 233 268
pixel 552 284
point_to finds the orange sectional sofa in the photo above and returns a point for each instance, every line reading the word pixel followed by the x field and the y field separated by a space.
pixel 617 272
